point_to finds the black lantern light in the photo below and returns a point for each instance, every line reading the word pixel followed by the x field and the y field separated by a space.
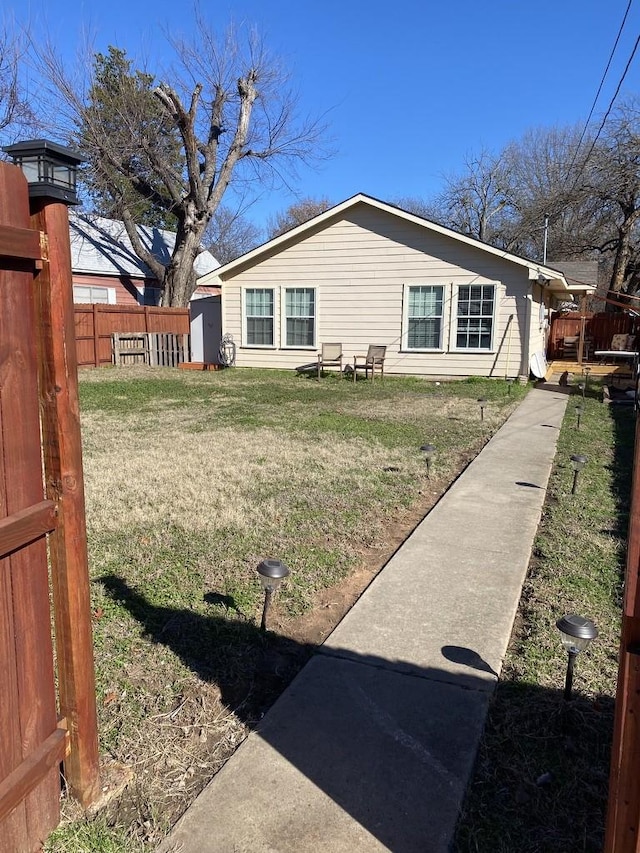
pixel 429 451
pixel 272 573
pixel 50 169
pixel 482 402
pixel 576 633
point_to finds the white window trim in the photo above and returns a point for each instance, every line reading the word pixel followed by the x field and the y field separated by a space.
pixel 446 295
pixel 111 293
pixel 243 307
pixel 283 316
pixel 453 328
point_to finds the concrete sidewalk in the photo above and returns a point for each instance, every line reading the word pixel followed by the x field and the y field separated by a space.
pixel 372 745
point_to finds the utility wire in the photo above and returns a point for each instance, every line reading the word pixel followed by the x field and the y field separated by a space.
pixel 595 100
pixel 606 115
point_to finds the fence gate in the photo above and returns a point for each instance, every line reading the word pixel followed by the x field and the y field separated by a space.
pixel 33 722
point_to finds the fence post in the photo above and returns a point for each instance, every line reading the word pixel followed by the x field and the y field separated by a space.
pixel 65 485
pixel 96 336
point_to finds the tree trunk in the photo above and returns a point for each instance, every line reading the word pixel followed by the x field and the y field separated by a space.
pixel 623 252
pixel 180 277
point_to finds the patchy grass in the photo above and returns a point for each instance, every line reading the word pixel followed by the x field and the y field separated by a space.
pixel 191 480
pixel 542 770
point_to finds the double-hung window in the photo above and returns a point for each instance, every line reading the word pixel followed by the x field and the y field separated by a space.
pixel 475 316
pixel 259 314
pixel 300 316
pixel 88 294
pixel 424 316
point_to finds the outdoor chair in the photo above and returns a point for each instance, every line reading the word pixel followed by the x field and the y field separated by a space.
pixel 569 347
pixel 369 362
pixel 330 356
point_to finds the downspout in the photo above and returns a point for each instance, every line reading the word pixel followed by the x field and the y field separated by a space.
pixel 526 339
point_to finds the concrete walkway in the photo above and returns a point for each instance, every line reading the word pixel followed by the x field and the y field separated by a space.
pixel 372 746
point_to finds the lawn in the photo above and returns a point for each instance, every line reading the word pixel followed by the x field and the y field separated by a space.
pixel 192 479
pixel 542 770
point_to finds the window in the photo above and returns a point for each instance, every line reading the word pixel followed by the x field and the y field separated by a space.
pixel 300 316
pixel 475 316
pixel 258 308
pixel 87 294
pixel 424 316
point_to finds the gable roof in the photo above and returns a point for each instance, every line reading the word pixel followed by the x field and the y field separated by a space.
pixel 553 278
pixel 102 246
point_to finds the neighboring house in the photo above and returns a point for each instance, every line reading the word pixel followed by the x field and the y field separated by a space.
pixel 107 270
pixel 366 272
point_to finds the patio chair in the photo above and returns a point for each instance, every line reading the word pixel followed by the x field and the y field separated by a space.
pixel 330 356
pixel 374 358
pixel 569 347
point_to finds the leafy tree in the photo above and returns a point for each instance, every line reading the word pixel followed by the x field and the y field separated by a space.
pixel 171 149
pixel 296 214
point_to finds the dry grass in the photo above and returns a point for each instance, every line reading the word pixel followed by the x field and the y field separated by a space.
pixel 190 481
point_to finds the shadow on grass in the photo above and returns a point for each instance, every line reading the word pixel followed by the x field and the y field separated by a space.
pixel 624 419
pixel 391 744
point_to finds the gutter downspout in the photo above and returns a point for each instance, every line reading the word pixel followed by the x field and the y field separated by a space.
pixel 526 339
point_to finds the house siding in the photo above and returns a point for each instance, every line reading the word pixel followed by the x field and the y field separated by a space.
pixel 360 265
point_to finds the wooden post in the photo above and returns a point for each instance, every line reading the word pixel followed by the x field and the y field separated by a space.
pixel 96 336
pixel 65 486
pixel 623 814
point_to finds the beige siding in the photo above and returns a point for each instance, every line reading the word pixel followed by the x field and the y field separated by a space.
pixel 359 266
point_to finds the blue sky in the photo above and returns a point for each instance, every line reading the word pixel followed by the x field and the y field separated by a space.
pixel 409 87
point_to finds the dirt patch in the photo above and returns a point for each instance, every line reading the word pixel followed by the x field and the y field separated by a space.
pixel 330 605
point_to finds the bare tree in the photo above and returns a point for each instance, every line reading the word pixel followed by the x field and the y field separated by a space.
pixel 296 214
pixel 15 112
pixel 230 234
pixel 478 201
pixel 173 142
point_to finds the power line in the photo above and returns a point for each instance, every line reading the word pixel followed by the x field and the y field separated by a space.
pixel 595 100
pixel 606 115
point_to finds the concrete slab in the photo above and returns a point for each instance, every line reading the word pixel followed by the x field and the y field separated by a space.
pixel 449 596
pixel 353 758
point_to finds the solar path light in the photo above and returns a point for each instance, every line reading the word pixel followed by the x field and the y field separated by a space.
pixel 429 451
pixel 579 411
pixel 482 403
pixel 578 461
pixel 582 387
pixel 272 573
pixel 576 633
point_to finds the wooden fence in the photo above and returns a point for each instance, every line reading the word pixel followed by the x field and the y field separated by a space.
pixel 157 349
pixel 41 724
pixel 600 328
pixel 95 325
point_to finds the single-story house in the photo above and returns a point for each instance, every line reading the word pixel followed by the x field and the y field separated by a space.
pixel 106 269
pixel 366 272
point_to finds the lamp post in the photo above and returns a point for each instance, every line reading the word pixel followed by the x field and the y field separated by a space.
pixel 50 169
pixel 482 403
pixel 429 451
pixel 579 411
pixel 576 633
pixel 272 573
pixel 578 461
